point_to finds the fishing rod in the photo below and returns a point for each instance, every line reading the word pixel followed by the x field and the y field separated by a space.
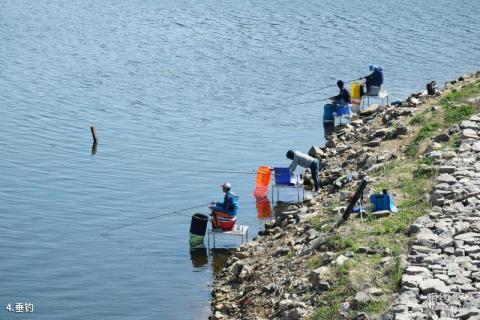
pixel 319 89
pixel 217 171
pixel 154 217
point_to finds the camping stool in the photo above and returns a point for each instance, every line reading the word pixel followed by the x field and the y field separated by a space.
pixel 381 94
pixel 237 231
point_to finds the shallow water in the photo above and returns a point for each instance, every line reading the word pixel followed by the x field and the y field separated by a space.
pixel 171 86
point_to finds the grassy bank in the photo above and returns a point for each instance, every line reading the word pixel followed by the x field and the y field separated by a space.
pixel 379 245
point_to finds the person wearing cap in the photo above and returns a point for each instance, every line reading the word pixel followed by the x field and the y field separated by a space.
pixel 374 80
pixel 303 160
pixel 343 98
pixel 229 207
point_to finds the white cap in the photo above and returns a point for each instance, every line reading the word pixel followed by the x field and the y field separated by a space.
pixel 226 185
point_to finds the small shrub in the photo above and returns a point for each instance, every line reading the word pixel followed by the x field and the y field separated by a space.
pixel 329 312
pixel 418 119
pixel 424 172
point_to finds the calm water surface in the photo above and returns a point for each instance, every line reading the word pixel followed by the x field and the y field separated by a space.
pixel 172 86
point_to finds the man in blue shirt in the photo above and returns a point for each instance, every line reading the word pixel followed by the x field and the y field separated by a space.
pixel 227 209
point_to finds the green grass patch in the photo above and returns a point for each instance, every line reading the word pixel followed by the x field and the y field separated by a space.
pixel 424 171
pixel 455 104
pixel 314 261
pixel 328 312
pixel 420 118
pixel 374 307
pixel 463 94
pixel 455 114
pixel 455 141
pixel 341 243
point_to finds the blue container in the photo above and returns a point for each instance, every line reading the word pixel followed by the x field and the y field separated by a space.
pixel 342 110
pixel 282 176
pixel 328 112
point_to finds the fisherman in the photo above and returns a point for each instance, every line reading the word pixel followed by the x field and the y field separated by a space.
pixel 374 80
pixel 226 209
pixel 343 97
pixel 305 161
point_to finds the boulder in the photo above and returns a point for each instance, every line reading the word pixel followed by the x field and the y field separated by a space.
pixel 443 137
pixel 476 147
pixel 433 286
pixel 362 298
pixel 446 178
pixel 341 259
pixel 467 124
pixel 401 130
pixel 469 133
pixel 330 144
pixel 373 108
pixel 319 275
pixel 316 152
pixel 446 169
pixel 437 199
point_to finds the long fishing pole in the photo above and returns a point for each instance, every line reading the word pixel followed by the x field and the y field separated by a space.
pixel 153 217
pixel 319 89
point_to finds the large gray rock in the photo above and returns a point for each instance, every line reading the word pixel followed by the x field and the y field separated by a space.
pixel 319 275
pixel 446 169
pixel 316 152
pixel 412 281
pixel 373 108
pixel 467 124
pixel 415 270
pixel 437 199
pixel 433 286
pixel 469 133
pixel 446 178
pixel 476 147
pixel 362 298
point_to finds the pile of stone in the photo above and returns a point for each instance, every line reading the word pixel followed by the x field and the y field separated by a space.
pixel 442 280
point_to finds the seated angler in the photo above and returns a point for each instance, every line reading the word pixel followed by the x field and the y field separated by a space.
pixel 374 80
pixel 224 213
pixel 343 97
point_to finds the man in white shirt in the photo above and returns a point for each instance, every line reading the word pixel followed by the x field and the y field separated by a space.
pixel 303 160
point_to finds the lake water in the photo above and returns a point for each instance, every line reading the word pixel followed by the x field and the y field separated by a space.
pixel 177 90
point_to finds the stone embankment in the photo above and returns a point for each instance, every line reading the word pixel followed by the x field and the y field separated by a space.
pixel 301 267
pixel 442 280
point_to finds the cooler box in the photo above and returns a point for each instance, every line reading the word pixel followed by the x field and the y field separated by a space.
pixel 283 176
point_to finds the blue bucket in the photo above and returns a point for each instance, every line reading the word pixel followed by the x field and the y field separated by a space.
pixel 328 112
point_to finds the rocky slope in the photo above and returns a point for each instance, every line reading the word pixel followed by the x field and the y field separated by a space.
pixel 301 266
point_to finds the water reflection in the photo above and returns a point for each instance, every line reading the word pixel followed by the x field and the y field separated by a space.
pixel 199 257
pixel 328 129
pixel 94 148
pixel 264 209
pixel 217 258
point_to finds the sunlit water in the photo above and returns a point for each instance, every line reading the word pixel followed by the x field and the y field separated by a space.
pixel 196 86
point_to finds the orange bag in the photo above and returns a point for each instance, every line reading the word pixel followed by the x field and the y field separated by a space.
pixel 262 183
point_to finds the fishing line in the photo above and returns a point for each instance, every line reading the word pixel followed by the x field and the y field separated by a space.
pixel 154 217
pixel 319 89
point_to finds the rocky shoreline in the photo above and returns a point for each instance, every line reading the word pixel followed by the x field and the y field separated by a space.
pixel 389 267
pixel 442 279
